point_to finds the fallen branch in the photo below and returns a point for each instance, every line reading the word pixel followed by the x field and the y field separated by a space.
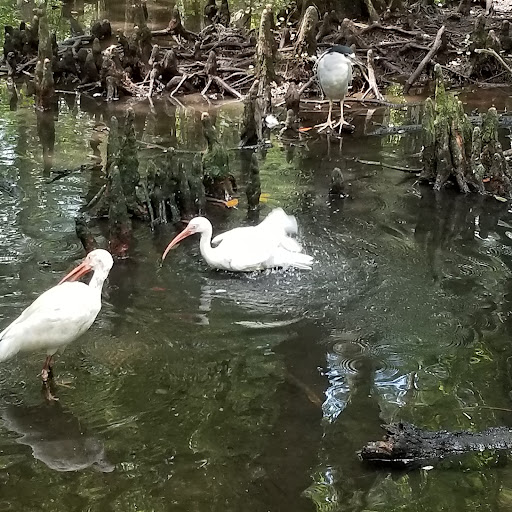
pixel 372 81
pixel 435 48
pixel 411 170
pixel 496 56
pixel 392 28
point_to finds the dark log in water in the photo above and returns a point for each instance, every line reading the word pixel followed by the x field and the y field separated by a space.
pixel 406 445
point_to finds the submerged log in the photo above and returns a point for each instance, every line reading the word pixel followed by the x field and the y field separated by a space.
pixel 406 445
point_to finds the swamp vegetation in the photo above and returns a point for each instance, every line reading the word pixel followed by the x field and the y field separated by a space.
pixel 200 390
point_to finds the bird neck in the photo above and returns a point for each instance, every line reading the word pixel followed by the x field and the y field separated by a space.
pixel 97 280
pixel 205 244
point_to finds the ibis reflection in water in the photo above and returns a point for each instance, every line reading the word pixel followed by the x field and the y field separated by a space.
pixel 250 248
pixel 56 437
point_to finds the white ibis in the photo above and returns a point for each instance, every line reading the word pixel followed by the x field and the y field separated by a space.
pixel 247 249
pixel 60 315
pixel 277 222
pixel 334 72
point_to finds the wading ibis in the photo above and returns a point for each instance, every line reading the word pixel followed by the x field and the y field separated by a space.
pixel 60 315
pixel 251 248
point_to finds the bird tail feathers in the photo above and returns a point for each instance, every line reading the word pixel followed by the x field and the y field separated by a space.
pixel 7 347
pixel 301 261
pixel 279 218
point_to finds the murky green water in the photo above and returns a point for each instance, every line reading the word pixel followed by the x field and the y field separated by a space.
pixel 200 390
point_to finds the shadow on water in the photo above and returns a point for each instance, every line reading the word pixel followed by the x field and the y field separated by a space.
pixel 55 436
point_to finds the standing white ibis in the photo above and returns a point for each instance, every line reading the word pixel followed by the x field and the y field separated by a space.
pixel 334 72
pixel 60 315
pixel 251 248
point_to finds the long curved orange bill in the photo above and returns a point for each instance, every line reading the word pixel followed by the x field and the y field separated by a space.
pixel 176 240
pixel 77 272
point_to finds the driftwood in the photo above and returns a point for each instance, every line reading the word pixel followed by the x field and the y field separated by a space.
pixel 436 46
pixel 406 445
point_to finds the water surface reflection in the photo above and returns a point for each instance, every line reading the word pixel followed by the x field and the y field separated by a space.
pixel 211 391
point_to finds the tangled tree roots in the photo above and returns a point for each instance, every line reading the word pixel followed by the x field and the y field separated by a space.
pixel 453 152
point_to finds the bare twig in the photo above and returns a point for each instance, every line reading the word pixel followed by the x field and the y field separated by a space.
pixel 411 170
pixel 496 56
pixel 183 78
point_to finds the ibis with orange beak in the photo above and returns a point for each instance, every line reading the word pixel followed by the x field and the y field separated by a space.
pixel 251 248
pixel 60 315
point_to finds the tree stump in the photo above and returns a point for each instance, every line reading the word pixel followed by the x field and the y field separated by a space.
pixel 45 86
pixel 505 36
pixel 223 15
pixel 266 51
pixel 258 102
pixel 306 37
pixel 483 65
pixel 217 178
pixel 249 131
pixel 454 153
